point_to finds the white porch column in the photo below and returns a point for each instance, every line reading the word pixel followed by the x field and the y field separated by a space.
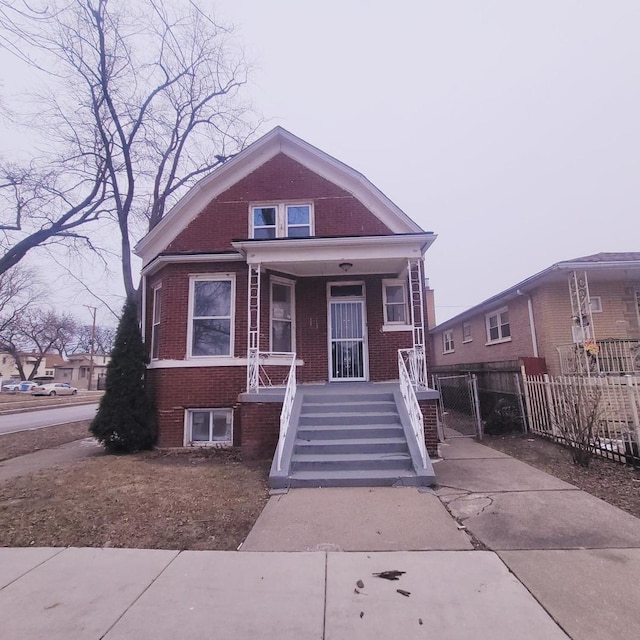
pixel 253 324
pixel 416 294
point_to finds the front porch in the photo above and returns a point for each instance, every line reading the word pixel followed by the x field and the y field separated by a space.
pixel 350 434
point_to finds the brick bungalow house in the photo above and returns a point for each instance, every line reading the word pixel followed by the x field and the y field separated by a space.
pixel 577 317
pixel 284 310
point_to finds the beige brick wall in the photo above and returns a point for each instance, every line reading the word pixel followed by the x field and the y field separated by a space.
pixel 553 321
pixel 477 350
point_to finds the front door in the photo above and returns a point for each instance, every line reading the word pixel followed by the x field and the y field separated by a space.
pixel 347 336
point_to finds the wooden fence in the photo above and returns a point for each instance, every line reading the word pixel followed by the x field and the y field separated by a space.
pixel 562 408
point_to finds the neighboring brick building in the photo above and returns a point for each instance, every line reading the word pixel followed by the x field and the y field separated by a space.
pixel 280 250
pixel 580 316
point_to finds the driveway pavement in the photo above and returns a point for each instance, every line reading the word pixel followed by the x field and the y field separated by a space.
pixel 499 550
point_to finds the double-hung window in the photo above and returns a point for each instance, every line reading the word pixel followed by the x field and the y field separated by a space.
pixel 211 310
pixel 281 221
pixel 466 332
pixel 447 342
pixel 282 316
pixel 394 293
pixel 498 329
pixel 155 329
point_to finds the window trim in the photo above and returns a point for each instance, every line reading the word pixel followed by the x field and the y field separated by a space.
pixel 193 278
pixel 592 299
pixel 448 343
pixel 390 325
pixel 188 425
pixel 155 326
pixel 500 338
pixel 282 225
pixel 292 284
pixel 465 340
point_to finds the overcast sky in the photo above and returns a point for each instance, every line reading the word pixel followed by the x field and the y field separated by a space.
pixel 509 128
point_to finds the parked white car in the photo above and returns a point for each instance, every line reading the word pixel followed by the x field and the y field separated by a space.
pixel 54 389
pixel 19 385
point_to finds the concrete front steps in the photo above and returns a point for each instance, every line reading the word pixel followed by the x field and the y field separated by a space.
pixel 351 435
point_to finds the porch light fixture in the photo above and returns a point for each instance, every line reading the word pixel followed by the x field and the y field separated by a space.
pixel 345 266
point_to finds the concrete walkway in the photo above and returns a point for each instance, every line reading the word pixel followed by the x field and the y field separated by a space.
pixel 499 550
pixel 64 454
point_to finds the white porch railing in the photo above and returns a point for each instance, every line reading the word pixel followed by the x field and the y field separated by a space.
pixel 287 406
pixel 409 396
pixel 257 375
pixel 612 356
pixel 415 363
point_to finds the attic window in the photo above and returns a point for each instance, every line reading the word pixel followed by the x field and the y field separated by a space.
pixel 284 220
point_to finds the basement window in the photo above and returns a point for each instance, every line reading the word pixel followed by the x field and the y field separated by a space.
pixel 209 427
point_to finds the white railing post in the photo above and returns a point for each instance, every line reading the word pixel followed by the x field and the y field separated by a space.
pixel 411 403
pixel 634 398
pixel 287 407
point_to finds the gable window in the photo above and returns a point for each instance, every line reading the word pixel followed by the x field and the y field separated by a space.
pixel 466 332
pixel 447 341
pixel 498 329
pixel 211 322
pixel 282 306
pixel 155 329
pixel 209 426
pixel 394 293
pixel 264 222
pixel 285 220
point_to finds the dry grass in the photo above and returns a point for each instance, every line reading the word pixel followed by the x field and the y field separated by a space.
pixel 153 500
pixel 612 482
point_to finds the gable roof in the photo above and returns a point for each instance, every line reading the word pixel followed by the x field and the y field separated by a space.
pixel 277 141
pixel 597 262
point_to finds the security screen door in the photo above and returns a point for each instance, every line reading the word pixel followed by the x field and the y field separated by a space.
pixel 346 336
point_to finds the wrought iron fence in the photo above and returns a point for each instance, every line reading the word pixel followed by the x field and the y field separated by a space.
pixel 612 356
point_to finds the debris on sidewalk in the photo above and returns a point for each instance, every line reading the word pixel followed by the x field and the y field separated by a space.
pixel 394 574
pixel 404 593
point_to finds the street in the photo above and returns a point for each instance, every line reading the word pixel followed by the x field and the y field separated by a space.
pixel 46 417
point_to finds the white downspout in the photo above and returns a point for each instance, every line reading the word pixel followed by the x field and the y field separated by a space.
pixel 143 314
pixel 532 324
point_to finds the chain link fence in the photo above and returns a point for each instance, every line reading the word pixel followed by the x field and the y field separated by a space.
pixel 459 406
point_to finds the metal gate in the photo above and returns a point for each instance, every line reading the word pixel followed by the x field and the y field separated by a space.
pixel 459 406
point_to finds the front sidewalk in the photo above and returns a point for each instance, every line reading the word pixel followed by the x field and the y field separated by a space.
pixel 119 594
pixel 559 563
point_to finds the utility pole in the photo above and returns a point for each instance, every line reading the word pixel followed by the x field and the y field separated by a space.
pixel 93 339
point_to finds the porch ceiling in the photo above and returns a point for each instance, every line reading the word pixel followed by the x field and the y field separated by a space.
pixel 307 257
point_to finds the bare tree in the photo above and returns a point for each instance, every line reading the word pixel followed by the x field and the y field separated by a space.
pixel 150 88
pixel 20 290
pixel 35 334
pixel 38 207
pixel 578 412
pixel 102 340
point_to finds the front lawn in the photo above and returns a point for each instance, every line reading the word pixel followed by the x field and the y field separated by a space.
pixel 155 500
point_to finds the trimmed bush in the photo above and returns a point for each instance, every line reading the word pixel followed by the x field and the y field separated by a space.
pixel 125 421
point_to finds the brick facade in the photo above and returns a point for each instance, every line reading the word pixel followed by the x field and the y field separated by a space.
pixel 551 302
pixel 179 383
pixel 179 388
pixel 281 179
